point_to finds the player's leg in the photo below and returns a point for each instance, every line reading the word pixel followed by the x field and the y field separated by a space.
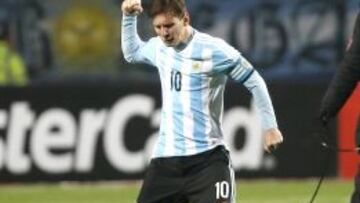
pixel 212 181
pixel 162 183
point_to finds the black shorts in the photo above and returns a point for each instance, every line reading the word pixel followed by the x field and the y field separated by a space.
pixel 202 178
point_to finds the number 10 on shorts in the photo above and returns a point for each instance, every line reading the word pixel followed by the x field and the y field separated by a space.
pixel 222 190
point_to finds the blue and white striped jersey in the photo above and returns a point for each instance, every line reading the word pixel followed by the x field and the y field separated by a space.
pixel 193 82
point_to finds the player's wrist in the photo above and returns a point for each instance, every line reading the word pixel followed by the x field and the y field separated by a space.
pixel 270 127
pixel 126 19
pixel 131 13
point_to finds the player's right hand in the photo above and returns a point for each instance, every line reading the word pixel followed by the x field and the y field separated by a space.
pixel 273 138
pixel 131 7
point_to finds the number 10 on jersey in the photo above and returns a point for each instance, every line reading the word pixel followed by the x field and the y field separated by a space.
pixel 175 80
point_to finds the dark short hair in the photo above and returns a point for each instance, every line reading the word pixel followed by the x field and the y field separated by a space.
pixel 173 7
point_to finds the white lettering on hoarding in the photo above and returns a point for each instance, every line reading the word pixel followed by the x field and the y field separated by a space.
pixel 90 127
pixel 121 113
pixel 3 123
pixel 54 130
pixel 251 155
pixel 58 143
pixel 20 121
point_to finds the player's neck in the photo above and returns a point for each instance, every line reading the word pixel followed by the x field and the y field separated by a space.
pixel 188 35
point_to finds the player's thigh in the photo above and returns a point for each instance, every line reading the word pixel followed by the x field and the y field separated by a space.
pixel 213 184
pixel 161 184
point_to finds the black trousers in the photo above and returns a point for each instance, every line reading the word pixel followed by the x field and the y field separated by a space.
pixel 201 178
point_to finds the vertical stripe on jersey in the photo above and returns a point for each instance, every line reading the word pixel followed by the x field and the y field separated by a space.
pixel 178 113
pixel 188 118
pixel 207 97
pixel 196 82
pixel 168 134
pixel 161 142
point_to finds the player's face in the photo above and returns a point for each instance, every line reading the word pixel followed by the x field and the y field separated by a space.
pixel 171 29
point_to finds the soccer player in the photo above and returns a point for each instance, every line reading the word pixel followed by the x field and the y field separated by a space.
pixel 341 87
pixel 190 162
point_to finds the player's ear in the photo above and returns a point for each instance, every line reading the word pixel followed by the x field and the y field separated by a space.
pixel 186 18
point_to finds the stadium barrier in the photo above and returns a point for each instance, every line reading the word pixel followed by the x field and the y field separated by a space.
pixel 106 132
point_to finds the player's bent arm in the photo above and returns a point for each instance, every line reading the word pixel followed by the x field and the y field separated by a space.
pixel 130 41
pixel 256 85
pixel 241 71
pixel 272 135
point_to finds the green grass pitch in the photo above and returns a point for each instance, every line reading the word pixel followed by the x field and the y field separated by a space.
pixel 257 191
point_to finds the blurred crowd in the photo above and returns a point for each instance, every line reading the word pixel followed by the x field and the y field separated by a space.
pixel 65 40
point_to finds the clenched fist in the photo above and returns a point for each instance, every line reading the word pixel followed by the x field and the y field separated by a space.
pixel 273 138
pixel 131 7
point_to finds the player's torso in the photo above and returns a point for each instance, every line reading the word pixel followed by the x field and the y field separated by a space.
pixel 191 69
pixel 188 76
pixel 192 99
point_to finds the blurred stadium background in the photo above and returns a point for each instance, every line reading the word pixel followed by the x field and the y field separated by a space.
pixel 77 123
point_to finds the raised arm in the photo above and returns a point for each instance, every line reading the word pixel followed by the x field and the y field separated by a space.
pixel 131 43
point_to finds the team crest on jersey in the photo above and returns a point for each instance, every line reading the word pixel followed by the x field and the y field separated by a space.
pixel 196 66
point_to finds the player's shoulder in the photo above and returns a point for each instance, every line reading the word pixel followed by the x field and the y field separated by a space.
pixel 154 43
pixel 218 45
pixel 154 40
pixel 209 39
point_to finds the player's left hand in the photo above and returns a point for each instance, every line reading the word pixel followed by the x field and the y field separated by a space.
pixel 273 138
